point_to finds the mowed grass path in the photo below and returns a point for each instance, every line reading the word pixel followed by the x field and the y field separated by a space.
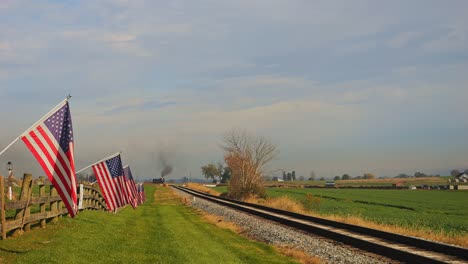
pixel 163 230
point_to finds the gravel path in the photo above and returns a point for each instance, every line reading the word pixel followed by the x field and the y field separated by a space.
pixel 272 233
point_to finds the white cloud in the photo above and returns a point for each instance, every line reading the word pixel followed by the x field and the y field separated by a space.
pixel 119 37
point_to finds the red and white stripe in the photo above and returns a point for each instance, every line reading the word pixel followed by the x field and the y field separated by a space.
pixel 132 192
pixel 58 166
pixel 110 187
pixel 120 182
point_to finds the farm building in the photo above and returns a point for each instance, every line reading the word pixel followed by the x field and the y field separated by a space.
pixel 462 176
pixel 460 182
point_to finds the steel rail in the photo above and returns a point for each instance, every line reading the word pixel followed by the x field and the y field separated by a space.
pixel 394 246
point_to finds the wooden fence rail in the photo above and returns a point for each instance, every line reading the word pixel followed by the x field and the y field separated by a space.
pixel 17 217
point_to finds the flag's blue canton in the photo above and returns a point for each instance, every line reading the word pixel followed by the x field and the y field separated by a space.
pixel 60 125
pixel 115 166
pixel 128 173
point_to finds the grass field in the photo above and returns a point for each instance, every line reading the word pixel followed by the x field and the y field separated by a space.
pixel 163 230
pixel 438 212
pixel 374 182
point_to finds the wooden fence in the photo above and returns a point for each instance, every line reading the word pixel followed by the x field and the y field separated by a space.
pixel 39 207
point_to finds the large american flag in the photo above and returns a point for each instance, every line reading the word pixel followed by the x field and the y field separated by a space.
pixel 51 143
pixel 109 174
pixel 131 188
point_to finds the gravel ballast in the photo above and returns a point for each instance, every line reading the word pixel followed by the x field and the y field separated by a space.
pixel 275 234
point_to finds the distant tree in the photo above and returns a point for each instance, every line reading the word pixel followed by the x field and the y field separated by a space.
pixel 312 176
pixel 419 174
pixel 455 172
pixel 92 178
pixel 285 178
pixel 220 167
pixel 293 175
pixel 289 176
pixel 226 176
pixel 402 175
pixel 466 171
pixel 275 178
pixel 369 176
pixel 322 178
pixel 345 177
pixel 81 177
pixel 337 178
pixel 301 178
pixel 210 171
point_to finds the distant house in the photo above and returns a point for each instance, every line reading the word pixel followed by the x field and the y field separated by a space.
pixel 330 184
pixel 462 176
pixel 460 182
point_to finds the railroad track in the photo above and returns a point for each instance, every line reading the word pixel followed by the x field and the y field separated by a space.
pixel 397 247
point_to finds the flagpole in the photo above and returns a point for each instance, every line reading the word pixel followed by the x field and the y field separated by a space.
pixel 111 156
pixel 35 124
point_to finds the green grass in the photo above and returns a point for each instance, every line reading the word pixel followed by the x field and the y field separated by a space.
pixel 431 210
pixel 371 182
pixel 439 211
pixel 161 231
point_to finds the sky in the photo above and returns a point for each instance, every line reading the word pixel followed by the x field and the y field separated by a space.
pixel 339 86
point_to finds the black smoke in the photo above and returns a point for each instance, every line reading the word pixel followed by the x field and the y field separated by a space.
pixel 167 168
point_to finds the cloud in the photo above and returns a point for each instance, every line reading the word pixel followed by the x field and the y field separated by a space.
pixel 336 83
pixel 454 39
pixel 138 106
pixel 119 37
pixel 403 39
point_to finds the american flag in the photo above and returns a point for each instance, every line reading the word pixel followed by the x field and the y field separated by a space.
pixel 141 193
pixel 51 143
pixel 109 174
pixel 131 188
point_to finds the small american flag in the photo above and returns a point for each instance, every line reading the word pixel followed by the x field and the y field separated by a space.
pixel 109 174
pixel 131 188
pixel 51 143
pixel 141 193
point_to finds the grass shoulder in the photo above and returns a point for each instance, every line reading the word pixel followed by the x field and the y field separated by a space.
pixel 163 230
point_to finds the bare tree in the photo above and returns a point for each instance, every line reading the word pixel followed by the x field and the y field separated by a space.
pixel 247 156
pixel 454 173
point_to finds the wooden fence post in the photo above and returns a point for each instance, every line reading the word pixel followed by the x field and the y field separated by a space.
pixel 59 207
pixel 25 195
pixel 42 206
pixel 53 205
pixel 2 208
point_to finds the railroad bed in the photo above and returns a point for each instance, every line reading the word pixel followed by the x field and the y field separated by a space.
pixel 396 247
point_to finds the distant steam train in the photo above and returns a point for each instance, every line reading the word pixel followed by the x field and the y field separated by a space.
pixel 160 180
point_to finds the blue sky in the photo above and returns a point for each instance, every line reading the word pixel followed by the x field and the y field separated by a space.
pixel 339 86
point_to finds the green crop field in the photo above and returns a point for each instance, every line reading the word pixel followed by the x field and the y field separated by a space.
pixel 439 211
pixel 163 230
